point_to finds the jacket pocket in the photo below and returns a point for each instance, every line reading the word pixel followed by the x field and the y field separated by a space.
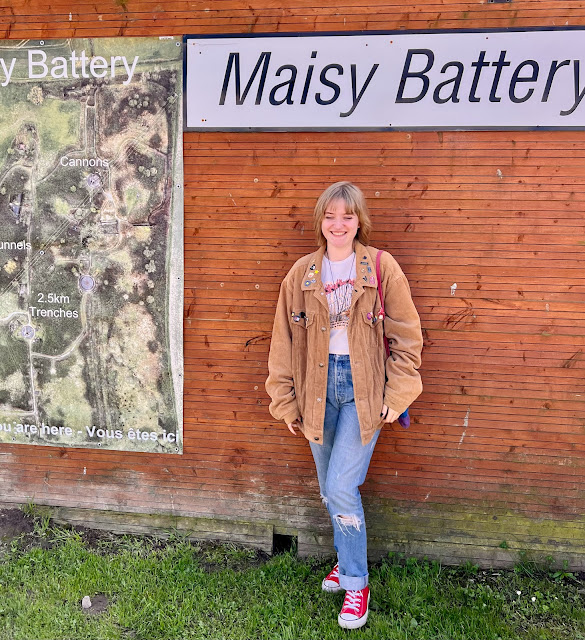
pixel 300 355
pixel 374 343
pixel 371 321
pixel 302 319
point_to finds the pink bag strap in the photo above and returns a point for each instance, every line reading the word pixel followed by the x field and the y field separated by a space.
pixel 381 313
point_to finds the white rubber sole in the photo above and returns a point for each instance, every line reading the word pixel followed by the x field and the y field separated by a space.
pixel 354 624
pixel 335 588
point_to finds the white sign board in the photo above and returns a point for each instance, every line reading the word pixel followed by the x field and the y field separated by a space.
pixel 435 80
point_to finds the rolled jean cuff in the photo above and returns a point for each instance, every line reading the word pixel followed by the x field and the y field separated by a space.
pixel 353 583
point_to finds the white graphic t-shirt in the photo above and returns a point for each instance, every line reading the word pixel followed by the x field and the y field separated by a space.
pixel 338 280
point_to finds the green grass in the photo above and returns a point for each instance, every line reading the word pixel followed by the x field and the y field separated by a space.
pixel 178 589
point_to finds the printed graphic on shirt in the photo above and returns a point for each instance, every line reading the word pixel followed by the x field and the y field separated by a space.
pixel 339 299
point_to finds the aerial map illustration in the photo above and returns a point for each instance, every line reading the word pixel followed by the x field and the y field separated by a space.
pixel 91 243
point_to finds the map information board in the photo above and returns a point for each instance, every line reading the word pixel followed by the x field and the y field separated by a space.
pixel 91 243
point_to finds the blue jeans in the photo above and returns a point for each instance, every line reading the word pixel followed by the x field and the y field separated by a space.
pixel 342 463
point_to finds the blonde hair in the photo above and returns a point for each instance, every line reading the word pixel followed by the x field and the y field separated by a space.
pixel 355 202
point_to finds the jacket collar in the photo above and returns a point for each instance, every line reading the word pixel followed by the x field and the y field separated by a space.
pixel 365 269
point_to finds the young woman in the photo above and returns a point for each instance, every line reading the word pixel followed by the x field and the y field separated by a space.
pixel 329 376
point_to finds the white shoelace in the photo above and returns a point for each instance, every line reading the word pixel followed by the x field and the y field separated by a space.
pixel 352 601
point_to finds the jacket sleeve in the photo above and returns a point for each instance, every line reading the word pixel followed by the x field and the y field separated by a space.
pixel 280 383
pixel 403 330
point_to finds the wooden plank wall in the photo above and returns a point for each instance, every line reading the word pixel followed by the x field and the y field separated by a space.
pixel 494 460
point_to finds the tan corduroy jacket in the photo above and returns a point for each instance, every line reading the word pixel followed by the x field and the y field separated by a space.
pixel 299 349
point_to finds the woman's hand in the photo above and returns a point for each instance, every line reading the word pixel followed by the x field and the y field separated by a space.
pixel 295 424
pixel 388 415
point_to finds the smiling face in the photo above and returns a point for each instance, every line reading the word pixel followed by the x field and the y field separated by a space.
pixel 339 227
pixel 345 199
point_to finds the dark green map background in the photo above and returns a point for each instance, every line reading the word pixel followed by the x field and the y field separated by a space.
pixel 91 260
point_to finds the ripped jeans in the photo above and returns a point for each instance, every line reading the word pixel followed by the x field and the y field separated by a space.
pixel 342 463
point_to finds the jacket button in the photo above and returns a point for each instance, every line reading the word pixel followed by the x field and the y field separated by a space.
pixel 316 438
pixel 323 329
pixel 318 399
pixel 321 364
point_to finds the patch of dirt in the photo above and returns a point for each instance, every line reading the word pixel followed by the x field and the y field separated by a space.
pixel 91 537
pixel 23 532
pixel 212 557
pixel 99 604
pixel 17 525
pixel 32 532
pixel 14 523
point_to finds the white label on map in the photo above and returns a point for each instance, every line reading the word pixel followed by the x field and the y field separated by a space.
pixel 60 67
pixel 35 312
pixel 19 246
